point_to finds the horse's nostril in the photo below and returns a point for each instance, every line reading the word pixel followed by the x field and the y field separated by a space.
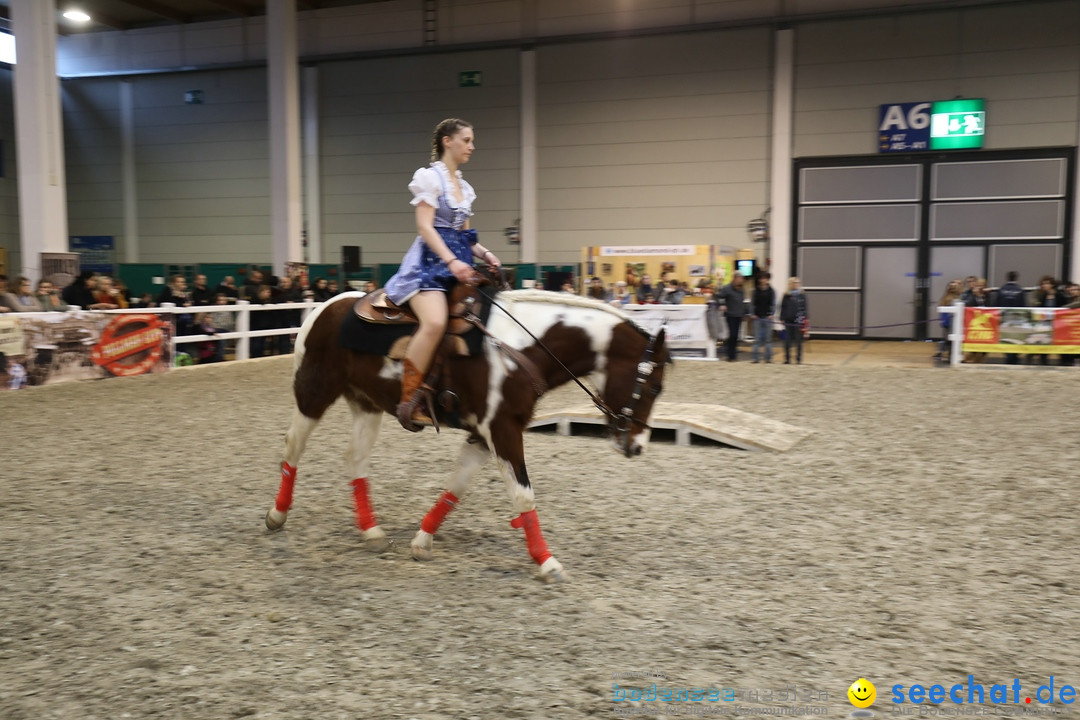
pixel 637 450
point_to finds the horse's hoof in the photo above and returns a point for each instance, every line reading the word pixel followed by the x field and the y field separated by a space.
pixel 375 540
pixel 421 553
pixel 552 572
pixel 275 519
pixel 555 577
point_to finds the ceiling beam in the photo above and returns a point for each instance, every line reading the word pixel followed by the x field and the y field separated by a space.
pixel 158 9
pixel 108 21
pixel 233 6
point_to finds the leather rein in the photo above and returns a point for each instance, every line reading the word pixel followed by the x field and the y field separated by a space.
pixel 621 420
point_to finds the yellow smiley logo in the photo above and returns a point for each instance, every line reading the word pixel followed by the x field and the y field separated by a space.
pixel 862 693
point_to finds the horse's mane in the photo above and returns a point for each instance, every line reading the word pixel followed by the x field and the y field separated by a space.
pixel 565 299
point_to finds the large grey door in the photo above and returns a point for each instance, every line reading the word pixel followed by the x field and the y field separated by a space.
pixel 889 292
pixel 950 263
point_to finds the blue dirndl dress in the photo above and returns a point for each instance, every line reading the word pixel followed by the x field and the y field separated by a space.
pixel 422 269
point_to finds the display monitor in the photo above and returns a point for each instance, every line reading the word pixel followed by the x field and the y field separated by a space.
pixel 746 268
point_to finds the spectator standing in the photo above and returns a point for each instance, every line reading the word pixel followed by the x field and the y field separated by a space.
pixel 596 290
pixel 260 320
pixel 49 298
pixel 763 308
pixel 732 299
pixel 320 290
pixel 953 291
pixel 288 292
pixel 978 297
pixel 176 293
pixel 227 287
pixel 646 294
pixel 200 293
pixel 620 296
pixel 1048 296
pixel 252 285
pixel 1072 296
pixel 795 314
pixel 332 287
pixel 1011 295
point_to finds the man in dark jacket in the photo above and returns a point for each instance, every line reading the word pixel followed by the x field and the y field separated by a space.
pixel 762 309
pixel 732 299
pixel 794 313
pixel 1011 295
pixel 201 294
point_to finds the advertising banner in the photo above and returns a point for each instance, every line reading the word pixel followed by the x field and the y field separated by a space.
pixel 82 345
pixel 696 265
pixel 1022 330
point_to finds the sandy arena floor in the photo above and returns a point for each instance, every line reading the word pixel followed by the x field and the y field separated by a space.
pixel 927 531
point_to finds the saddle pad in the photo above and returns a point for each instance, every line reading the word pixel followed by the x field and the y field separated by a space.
pixel 377 339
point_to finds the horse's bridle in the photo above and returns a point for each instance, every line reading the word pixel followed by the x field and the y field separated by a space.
pixel 624 419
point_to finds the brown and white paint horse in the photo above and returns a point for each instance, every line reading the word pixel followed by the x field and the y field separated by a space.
pixel 496 399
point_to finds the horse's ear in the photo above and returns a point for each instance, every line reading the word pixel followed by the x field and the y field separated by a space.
pixel 659 341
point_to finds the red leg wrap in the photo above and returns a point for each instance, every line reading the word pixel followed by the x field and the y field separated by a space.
pixel 284 493
pixel 438 512
pixel 365 516
pixel 535 539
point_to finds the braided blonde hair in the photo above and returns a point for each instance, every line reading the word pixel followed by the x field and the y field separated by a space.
pixel 447 128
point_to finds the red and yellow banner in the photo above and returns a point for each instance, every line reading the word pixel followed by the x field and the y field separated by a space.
pixel 1022 330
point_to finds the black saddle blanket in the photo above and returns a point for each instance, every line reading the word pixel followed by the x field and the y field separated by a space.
pixel 377 339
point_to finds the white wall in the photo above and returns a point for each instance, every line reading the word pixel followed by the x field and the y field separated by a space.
pixel 377 119
pixel 657 140
pixel 1024 59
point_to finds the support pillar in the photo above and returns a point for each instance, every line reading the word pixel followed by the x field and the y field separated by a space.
pixel 529 229
pixel 312 193
pixel 39 135
pixel 128 182
pixel 284 92
pixel 781 241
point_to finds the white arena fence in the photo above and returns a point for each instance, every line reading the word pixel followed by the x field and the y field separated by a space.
pixel 243 332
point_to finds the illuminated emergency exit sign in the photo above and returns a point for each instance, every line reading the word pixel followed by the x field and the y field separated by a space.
pixel 957 124
pixel 943 125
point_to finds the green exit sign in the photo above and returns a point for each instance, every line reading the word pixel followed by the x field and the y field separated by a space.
pixel 956 124
pixel 469 78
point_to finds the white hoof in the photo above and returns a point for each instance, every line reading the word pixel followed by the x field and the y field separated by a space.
pixel 375 540
pixel 275 519
pixel 552 572
pixel 421 545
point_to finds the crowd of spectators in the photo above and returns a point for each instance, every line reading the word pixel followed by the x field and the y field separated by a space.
pixel 973 292
pixel 92 291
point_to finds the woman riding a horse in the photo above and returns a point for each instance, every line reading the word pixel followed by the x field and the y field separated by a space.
pixel 440 256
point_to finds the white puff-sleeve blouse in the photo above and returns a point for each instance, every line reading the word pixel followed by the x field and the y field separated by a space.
pixel 427 187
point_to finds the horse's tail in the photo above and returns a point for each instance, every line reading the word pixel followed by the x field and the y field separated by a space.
pixel 300 347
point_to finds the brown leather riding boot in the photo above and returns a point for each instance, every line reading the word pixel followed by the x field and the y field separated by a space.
pixel 410 411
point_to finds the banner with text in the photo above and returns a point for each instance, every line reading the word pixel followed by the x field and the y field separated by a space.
pixel 47 348
pixel 1022 330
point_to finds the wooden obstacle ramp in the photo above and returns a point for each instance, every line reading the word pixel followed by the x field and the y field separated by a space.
pixel 717 423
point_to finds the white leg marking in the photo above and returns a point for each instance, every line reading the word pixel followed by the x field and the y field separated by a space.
pixel 470 459
pixel 521 498
pixel 365 431
pixel 297 436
